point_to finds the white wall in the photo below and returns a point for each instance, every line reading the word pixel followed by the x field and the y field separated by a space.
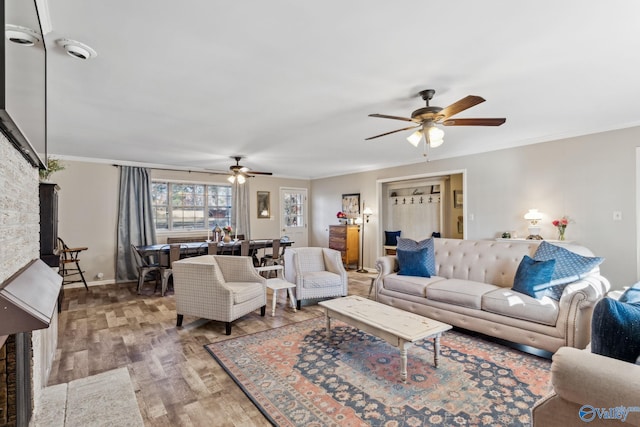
pixel 586 178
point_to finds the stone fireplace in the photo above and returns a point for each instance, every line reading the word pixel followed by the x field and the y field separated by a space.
pixel 19 245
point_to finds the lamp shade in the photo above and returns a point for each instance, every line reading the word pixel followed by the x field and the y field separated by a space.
pixel 415 138
pixel 533 215
pixel 435 136
pixel 367 211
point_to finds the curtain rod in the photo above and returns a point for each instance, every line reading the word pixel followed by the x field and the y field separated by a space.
pixel 180 170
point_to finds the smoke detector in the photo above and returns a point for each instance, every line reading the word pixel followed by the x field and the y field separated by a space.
pixel 21 35
pixel 76 49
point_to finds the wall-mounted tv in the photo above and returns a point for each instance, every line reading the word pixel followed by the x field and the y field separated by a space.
pixel 23 82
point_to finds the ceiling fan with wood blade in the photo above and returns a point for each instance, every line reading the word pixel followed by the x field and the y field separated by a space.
pixel 428 118
pixel 241 173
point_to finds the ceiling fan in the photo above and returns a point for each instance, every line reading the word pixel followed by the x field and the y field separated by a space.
pixel 241 173
pixel 428 118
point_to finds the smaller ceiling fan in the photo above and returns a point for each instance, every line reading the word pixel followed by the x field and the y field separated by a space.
pixel 241 173
pixel 427 118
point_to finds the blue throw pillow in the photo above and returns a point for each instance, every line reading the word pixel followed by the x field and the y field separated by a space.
pixel 413 263
pixel 390 238
pixel 412 245
pixel 615 330
pixel 533 277
pixel 631 295
pixel 569 265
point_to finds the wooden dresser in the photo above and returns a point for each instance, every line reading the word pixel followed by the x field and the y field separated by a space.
pixel 346 239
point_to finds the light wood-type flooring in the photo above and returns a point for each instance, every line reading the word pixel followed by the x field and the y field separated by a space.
pixel 176 381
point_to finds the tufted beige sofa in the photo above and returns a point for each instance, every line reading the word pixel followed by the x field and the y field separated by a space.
pixel 472 290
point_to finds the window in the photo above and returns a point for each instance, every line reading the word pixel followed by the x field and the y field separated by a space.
pixel 187 206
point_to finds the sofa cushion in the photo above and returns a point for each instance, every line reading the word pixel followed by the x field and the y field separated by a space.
pixel 520 306
pixel 413 262
pixel 245 291
pixel 459 292
pixel 390 237
pixel 631 295
pixel 615 330
pixel 533 278
pixel 412 285
pixel 412 245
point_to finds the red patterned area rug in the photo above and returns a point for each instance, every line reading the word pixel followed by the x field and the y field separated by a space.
pixel 296 377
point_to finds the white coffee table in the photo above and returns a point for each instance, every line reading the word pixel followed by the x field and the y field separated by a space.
pixel 277 283
pixel 397 327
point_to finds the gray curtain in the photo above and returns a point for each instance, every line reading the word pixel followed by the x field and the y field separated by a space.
pixel 135 219
pixel 240 210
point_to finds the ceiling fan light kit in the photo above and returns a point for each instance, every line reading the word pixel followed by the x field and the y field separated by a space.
pixel 240 173
pixel 427 118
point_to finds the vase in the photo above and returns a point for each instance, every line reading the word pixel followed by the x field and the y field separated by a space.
pixel 561 233
pixel 227 238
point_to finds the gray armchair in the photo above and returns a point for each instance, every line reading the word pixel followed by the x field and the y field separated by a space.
pixel 317 273
pixel 218 287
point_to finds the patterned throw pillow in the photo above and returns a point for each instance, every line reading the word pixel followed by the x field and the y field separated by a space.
pixel 413 263
pixel 533 277
pixel 411 245
pixel 390 238
pixel 570 266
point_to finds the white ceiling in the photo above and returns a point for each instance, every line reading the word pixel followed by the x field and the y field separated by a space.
pixel 289 84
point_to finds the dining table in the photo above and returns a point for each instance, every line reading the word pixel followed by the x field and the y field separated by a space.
pixel 202 248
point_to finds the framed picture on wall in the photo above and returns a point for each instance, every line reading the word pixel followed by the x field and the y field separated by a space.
pixel 351 205
pixel 264 204
pixel 457 199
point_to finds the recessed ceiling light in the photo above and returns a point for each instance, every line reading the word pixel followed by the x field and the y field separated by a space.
pixel 76 49
pixel 21 35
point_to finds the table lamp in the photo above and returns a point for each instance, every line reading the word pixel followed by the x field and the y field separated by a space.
pixel 533 216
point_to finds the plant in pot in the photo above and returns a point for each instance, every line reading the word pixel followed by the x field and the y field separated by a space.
pixel 53 165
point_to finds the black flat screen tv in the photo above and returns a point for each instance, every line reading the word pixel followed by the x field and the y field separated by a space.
pixel 23 84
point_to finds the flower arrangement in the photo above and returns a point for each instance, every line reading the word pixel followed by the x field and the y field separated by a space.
pixel 341 215
pixel 561 225
pixel 227 229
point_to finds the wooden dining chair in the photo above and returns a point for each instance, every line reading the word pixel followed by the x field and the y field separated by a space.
pixel 274 257
pixel 212 248
pixel 70 264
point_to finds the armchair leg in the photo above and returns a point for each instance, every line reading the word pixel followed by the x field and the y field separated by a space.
pixel 299 304
pixel 227 328
pixel 179 321
pixel 263 310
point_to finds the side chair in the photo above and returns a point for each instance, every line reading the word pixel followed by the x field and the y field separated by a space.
pixel 146 265
pixel 70 263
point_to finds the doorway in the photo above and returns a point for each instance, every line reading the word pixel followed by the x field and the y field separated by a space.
pixel 421 205
pixel 294 218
